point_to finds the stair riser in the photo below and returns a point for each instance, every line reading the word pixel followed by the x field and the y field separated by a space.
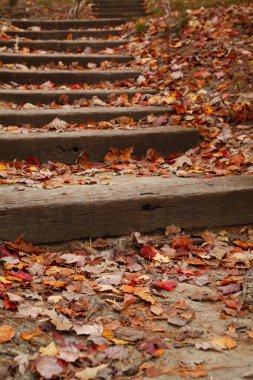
pixel 65 147
pixel 46 97
pixel 64 45
pixel 62 35
pixel 36 60
pixel 41 117
pixel 67 24
pixel 63 77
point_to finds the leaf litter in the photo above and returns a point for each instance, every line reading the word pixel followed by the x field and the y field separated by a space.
pixel 80 310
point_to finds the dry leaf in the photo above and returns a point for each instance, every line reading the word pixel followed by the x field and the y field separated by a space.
pixel 119 155
pixel 6 333
pixel 90 373
pixel 224 342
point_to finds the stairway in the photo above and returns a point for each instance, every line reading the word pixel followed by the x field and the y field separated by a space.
pixel 114 204
pixel 123 8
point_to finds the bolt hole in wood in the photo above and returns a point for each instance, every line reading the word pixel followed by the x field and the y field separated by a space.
pixel 149 207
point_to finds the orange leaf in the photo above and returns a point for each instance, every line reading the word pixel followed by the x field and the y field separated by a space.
pixel 55 284
pixel 6 333
pixel 21 245
pixel 29 336
pixel 119 155
pixel 183 242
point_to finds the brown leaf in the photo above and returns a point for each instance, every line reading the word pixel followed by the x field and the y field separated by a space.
pixel 48 367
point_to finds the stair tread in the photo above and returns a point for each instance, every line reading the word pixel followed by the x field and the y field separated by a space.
pixel 123 205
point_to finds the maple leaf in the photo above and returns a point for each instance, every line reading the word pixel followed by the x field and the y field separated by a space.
pixel 20 244
pixel 119 155
pixel 148 252
pixel 182 242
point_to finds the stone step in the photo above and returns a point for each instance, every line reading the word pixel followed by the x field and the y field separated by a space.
pixel 65 76
pixel 66 146
pixel 39 117
pixel 64 34
pixel 59 45
pixel 43 96
pixel 67 59
pixel 68 24
pixel 122 205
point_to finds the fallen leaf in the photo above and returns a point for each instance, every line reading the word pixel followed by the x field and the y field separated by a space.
pixel 6 333
pixel 90 373
pixel 224 342
pixel 48 367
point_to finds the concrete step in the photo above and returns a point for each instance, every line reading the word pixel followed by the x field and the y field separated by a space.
pixel 65 146
pixel 64 34
pixel 68 24
pixel 67 59
pixel 39 117
pixel 124 205
pixel 64 45
pixel 43 96
pixel 65 76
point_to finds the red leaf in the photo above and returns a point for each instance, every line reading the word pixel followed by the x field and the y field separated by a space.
pixel 183 242
pixel 21 274
pixel 170 285
pixel 148 252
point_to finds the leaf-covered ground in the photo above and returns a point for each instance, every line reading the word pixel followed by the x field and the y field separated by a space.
pixel 135 307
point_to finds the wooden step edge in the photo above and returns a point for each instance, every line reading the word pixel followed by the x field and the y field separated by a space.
pixel 39 117
pixel 37 59
pixel 40 96
pixel 66 146
pixel 65 76
pixel 63 34
pixel 67 24
pixel 54 44
pixel 122 205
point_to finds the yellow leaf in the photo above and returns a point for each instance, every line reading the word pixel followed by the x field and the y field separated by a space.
pixel 224 342
pixel 161 258
pixel 108 334
pixel 145 296
pixel 50 350
pixel 4 281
